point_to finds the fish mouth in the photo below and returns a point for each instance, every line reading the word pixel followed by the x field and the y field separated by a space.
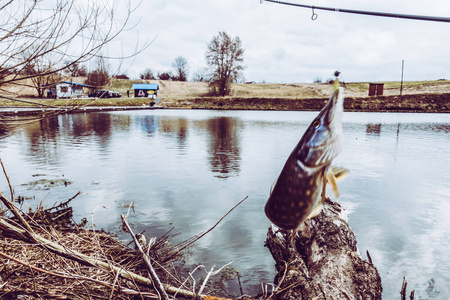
pixel 334 106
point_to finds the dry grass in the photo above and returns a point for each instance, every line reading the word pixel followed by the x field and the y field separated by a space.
pixel 175 89
pixel 180 90
pixel 45 255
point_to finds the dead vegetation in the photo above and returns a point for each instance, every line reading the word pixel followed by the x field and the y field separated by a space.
pixel 185 90
pixel 45 259
pixel 45 255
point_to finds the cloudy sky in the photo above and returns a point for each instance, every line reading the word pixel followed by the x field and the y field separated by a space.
pixel 282 44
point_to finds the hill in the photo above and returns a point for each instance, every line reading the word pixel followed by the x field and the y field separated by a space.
pixel 180 90
pixel 417 96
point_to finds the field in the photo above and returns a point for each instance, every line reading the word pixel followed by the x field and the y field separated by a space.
pixel 180 90
pixel 426 96
pixel 177 89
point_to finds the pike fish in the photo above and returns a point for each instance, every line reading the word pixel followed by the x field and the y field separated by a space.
pixel 300 189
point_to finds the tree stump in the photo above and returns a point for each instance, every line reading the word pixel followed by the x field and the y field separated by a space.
pixel 323 261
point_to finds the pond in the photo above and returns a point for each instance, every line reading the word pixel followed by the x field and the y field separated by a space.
pixel 185 169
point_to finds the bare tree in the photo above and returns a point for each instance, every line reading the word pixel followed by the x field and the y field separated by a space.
pixel 52 33
pixel 201 75
pixel 181 68
pixel 165 76
pixel 148 75
pixel 39 70
pixel 225 56
pixel 100 76
pixel 75 69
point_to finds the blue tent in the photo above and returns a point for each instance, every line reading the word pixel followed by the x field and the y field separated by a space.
pixel 145 89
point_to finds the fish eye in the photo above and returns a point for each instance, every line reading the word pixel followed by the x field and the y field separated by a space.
pixel 316 123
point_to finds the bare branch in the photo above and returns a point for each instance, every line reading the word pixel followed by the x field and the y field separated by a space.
pixel 40 39
pixel 186 244
pixel 158 285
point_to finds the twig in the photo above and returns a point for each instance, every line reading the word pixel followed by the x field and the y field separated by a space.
pixel 193 279
pixel 16 213
pixel 368 257
pixel 158 285
pixel 403 290
pixel 211 273
pixel 9 182
pixel 196 238
pixel 206 280
pixel 26 234
pixel 240 285
pixel 62 204
pixel 22 234
pixel 74 276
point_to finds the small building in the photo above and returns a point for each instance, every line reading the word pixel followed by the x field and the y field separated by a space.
pixel 66 89
pixel 376 89
pixel 145 90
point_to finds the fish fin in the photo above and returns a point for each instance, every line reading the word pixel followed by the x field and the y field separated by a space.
pixel 294 234
pixel 273 186
pixel 324 186
pixel 339 173
pixel 333 183
pixel 318 208
pixel 316 211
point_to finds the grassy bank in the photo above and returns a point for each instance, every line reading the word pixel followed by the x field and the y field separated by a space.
pixel 432 103
pixel 177 89
pixel 76 102
pixel 427 96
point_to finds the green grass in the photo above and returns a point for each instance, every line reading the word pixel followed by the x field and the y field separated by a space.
pixel 122 85
pixel 79 102
pixel 364 86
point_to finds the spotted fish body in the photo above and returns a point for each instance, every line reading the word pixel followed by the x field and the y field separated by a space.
pixel 301 185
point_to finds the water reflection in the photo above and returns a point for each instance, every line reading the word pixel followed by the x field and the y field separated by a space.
pixel 148 124
pixel 176 127
pixel 42 140
pixel 373 129
pixel 187 168
pixel 224 146
pixel 223 135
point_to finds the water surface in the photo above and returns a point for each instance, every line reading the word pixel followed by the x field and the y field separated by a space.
pixel 185 169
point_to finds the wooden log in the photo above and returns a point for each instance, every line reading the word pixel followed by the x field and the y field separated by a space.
pixel 323 261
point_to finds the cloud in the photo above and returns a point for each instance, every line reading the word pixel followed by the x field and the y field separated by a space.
pixel 283 44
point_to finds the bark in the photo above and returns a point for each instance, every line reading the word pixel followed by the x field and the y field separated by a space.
pixel 323 261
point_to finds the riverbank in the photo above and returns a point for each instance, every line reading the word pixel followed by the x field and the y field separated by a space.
pixel 50 250
pixel 417 96
pixel 33 111
pixel 428 103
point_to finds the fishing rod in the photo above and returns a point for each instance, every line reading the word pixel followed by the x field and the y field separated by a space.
pixel 362 12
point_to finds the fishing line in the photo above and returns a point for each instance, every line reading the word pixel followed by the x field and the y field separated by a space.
pixel 362 12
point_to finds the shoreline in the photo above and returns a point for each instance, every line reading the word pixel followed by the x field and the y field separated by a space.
pixel 423 103
pixel 412 103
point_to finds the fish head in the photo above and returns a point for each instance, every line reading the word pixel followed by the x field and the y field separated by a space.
pixel 322 141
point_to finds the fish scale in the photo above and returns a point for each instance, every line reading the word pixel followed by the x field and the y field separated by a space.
pixel 297 193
